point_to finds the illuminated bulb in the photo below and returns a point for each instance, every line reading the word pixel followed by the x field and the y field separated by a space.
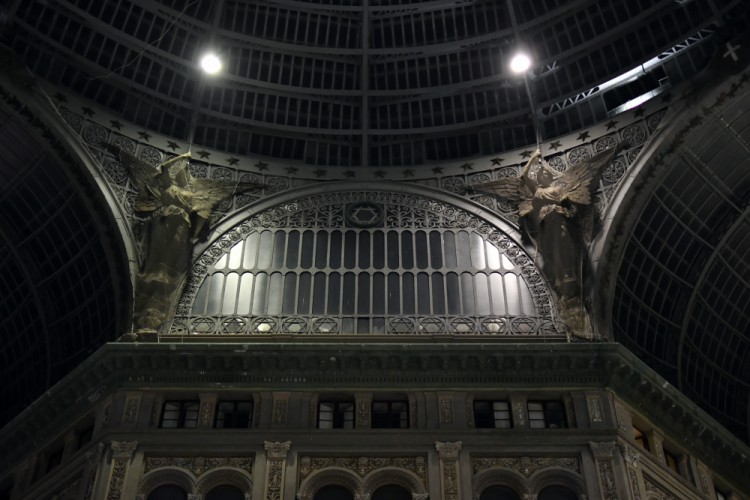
pixel 211 64
pixel 520 63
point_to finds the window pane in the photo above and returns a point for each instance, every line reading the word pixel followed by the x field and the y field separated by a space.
pixel 407 251
pixel 512 293
pixel 493 256
pixel 303 294
pixel 230 293
pixel 335 250
pixel 498 294
pixel 463 250
pixel 407 282
pixel 292 251
pixel 450 250
pixel 363 294
pixel 215 290
pixel 266 250
pixel 378 250
pixel 467 293
pixel 259 294
pixel 393 250
pixel 349 294
pixel 275 294
pixel 477 251
pixel 421 244
pixel 307 249
pixel 290 293
pixel 438 294
pixel 436 250
pixel 453 293
pixel 394 294
pixel 321 250
pixel 423 292
pixel 251 250
pixel 364 250
pixel 245 299
pixel 319 294
pixel 235 256
pixel 334 293
pixel 350 249
pixel 279 245
pixel 378 293
pixel 482 294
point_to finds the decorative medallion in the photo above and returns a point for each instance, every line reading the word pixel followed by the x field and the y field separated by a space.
pixel 364 214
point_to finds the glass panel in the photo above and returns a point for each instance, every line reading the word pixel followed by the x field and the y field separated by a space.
pixel 378 326
pixel 230 293
pixel 251 250
pixel 266 250
pixel 421 244
pixel 364 250
pixel 436 250
pixel 463 250
pixel 363 294
pixel 482 294
pixel 292 250
pixel 467 294
pixel 438 294
pixel 449 241
pixel 279 245
pixel 259 294
pixel 423 292
pixel 214 294
pixel 290 293
pixel 244 302
pixel 493 256
pixel 407 251
pixel 528 302
pixel 378 250
pixel 477 251
pixel 308 238
pixel 199 305
pixel 394 294
pixel 378 293
pixel 511 292
pixel 275 294
pixel 303 296
pixel 334 293
pixel 393 251
pixel 221 263
pixel 319 294
pixel 407 282
pixel 507 264
pixel 321 250
pixel 347 326
pixel 363 325
pixel 453 293
pixel 235 256
pixel 335 251
pixel 498 294
pixel 350 250
pixel 349 291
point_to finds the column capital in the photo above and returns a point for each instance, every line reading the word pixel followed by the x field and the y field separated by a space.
pixel 123 449
pixel 448 451
pixel 277 450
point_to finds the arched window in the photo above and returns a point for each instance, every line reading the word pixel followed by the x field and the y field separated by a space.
pixel 333 492
pixel 168 492
pixel 391 492
pixel 225 492
pixel 499 493
pixel 556 493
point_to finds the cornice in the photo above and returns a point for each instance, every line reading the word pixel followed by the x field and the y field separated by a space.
pixel 417 366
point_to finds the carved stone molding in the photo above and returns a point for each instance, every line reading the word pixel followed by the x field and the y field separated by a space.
pixel 277 450
pixel 448 451
pixel 362 465
pixel 635 488
pixel 622 416
pixel 446 411
pixel 632 457
pixel 526 465
pixel 604 449
pixel 117 478
pixel 654 490
pixel 596 412
pixel 131 410
pixel 363 414
pixel 123 449
pixel 207 410
pixel 279 411
pixel 199 465
pixel 519 413
pixel 607 479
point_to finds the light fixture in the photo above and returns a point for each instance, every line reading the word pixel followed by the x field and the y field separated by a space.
pixel 210 63
pixel 520 63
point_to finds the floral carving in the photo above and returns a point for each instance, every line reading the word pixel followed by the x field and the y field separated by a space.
pixel 607 480
pixel 363 414
pixel 116 480
pixel 654 490
pixel 131 410
pixel 446 411
pixel 633 477
pixel 362 465
pixel 448 451
pixel 279 411
pixel 199 465
pixel 520 414
pixel 526 465
pixel 595 409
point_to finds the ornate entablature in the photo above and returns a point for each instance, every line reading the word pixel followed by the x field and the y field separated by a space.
pixel 375 262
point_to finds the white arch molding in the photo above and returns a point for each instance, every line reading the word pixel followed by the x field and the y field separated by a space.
pixel 316 209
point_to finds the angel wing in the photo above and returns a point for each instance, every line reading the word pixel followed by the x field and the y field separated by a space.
pixel 512 189
pixel 579 181
pixel 145 178
pixel 207 193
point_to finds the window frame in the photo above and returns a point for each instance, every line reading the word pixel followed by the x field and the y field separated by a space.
pixel 184 407
pixel 404 417
pixel 235 411
pixel 492 414
pixel 546 414
pixel 339 416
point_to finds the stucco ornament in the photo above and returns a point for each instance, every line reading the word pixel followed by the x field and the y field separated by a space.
pixel 175 208
pixel 556 213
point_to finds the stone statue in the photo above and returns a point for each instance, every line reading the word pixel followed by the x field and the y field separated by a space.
pixel 555 213
pixel 177 208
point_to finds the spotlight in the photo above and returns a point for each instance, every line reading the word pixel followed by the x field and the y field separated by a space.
pixel 520 63
pixel 211 63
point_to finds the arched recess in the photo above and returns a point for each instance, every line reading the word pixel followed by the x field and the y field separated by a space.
pixel 293 263
pixel 224 476
pixel 393 475
pixel 330 475
pixel 499 476
pixel 166 475
pixel 554 476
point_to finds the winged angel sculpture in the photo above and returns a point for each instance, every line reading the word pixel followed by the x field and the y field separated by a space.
pixel 555 213
pixel 177 208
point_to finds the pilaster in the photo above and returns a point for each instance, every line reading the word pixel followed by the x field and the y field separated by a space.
pixel 612 484
pixel 276 454
pixel 519 411
pixel 122 454
pixel 633 469
pixel 207 409
pixel 450 486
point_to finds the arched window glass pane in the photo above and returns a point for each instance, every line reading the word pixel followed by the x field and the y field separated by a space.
pixel 245 299
pixel 292 250
pixel 467 293
pixel 290 293
pixel 321 250
pixel 463 249
pixel 364 250
pixel 394 294
pixel 266 250
pixel 168 492
pixel 556 493
pixel 229 301
pixel 349 293
pixel 215 290
pixel 408 291
pixel 378 293
pixel 199 304
pixel 513 294
pixel 477 251
pixel 497 289
pixel 499 493
pixel 449 241
pixel 423 293
pixel 421 245
pixel 334 260
pixel 493 256
pixel 251 250
pixel 333 492
pixel 482 294
pixel 334 293
pixel 350 249
pixel 393 250
pixel 436 250
pixel 307 249
pixel 259 294
pixel 225 492
pixel 279 246
pixel 528 304
pixel 407 251
pixel 378 250
pixel 235 256
pixel 438 294
pixel 275 289
pixel 391 492
pixel 303 296
pixel 363 294
pixel 319 294
pixel 222 262
pixel 453 293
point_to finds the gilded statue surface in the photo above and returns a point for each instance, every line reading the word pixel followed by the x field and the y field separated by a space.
pixel 175 208
pixel 555 213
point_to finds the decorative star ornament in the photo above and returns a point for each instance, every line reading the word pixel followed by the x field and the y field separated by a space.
pixel 261 166
pixel 115 124
pixel 232 160
pixel 144 135
pixel 173 145
pixel 583 136
pixel 555 145
pixel 203 154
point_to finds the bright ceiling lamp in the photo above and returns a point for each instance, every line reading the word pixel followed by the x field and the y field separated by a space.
pixel 520 63
pixel 210 63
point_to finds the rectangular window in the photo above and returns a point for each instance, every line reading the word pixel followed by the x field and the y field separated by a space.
pixel 546 414
pixel 336 415
pixel 640 438
pixel 180 415
pixel 234 414
pixel 492 414
pixel 390 415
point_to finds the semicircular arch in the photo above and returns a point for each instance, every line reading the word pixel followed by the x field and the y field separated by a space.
pixel 329 476
pixel 393 475
pixel 167 475
pixel 499 476
pixel 224 476
pixel 555 476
